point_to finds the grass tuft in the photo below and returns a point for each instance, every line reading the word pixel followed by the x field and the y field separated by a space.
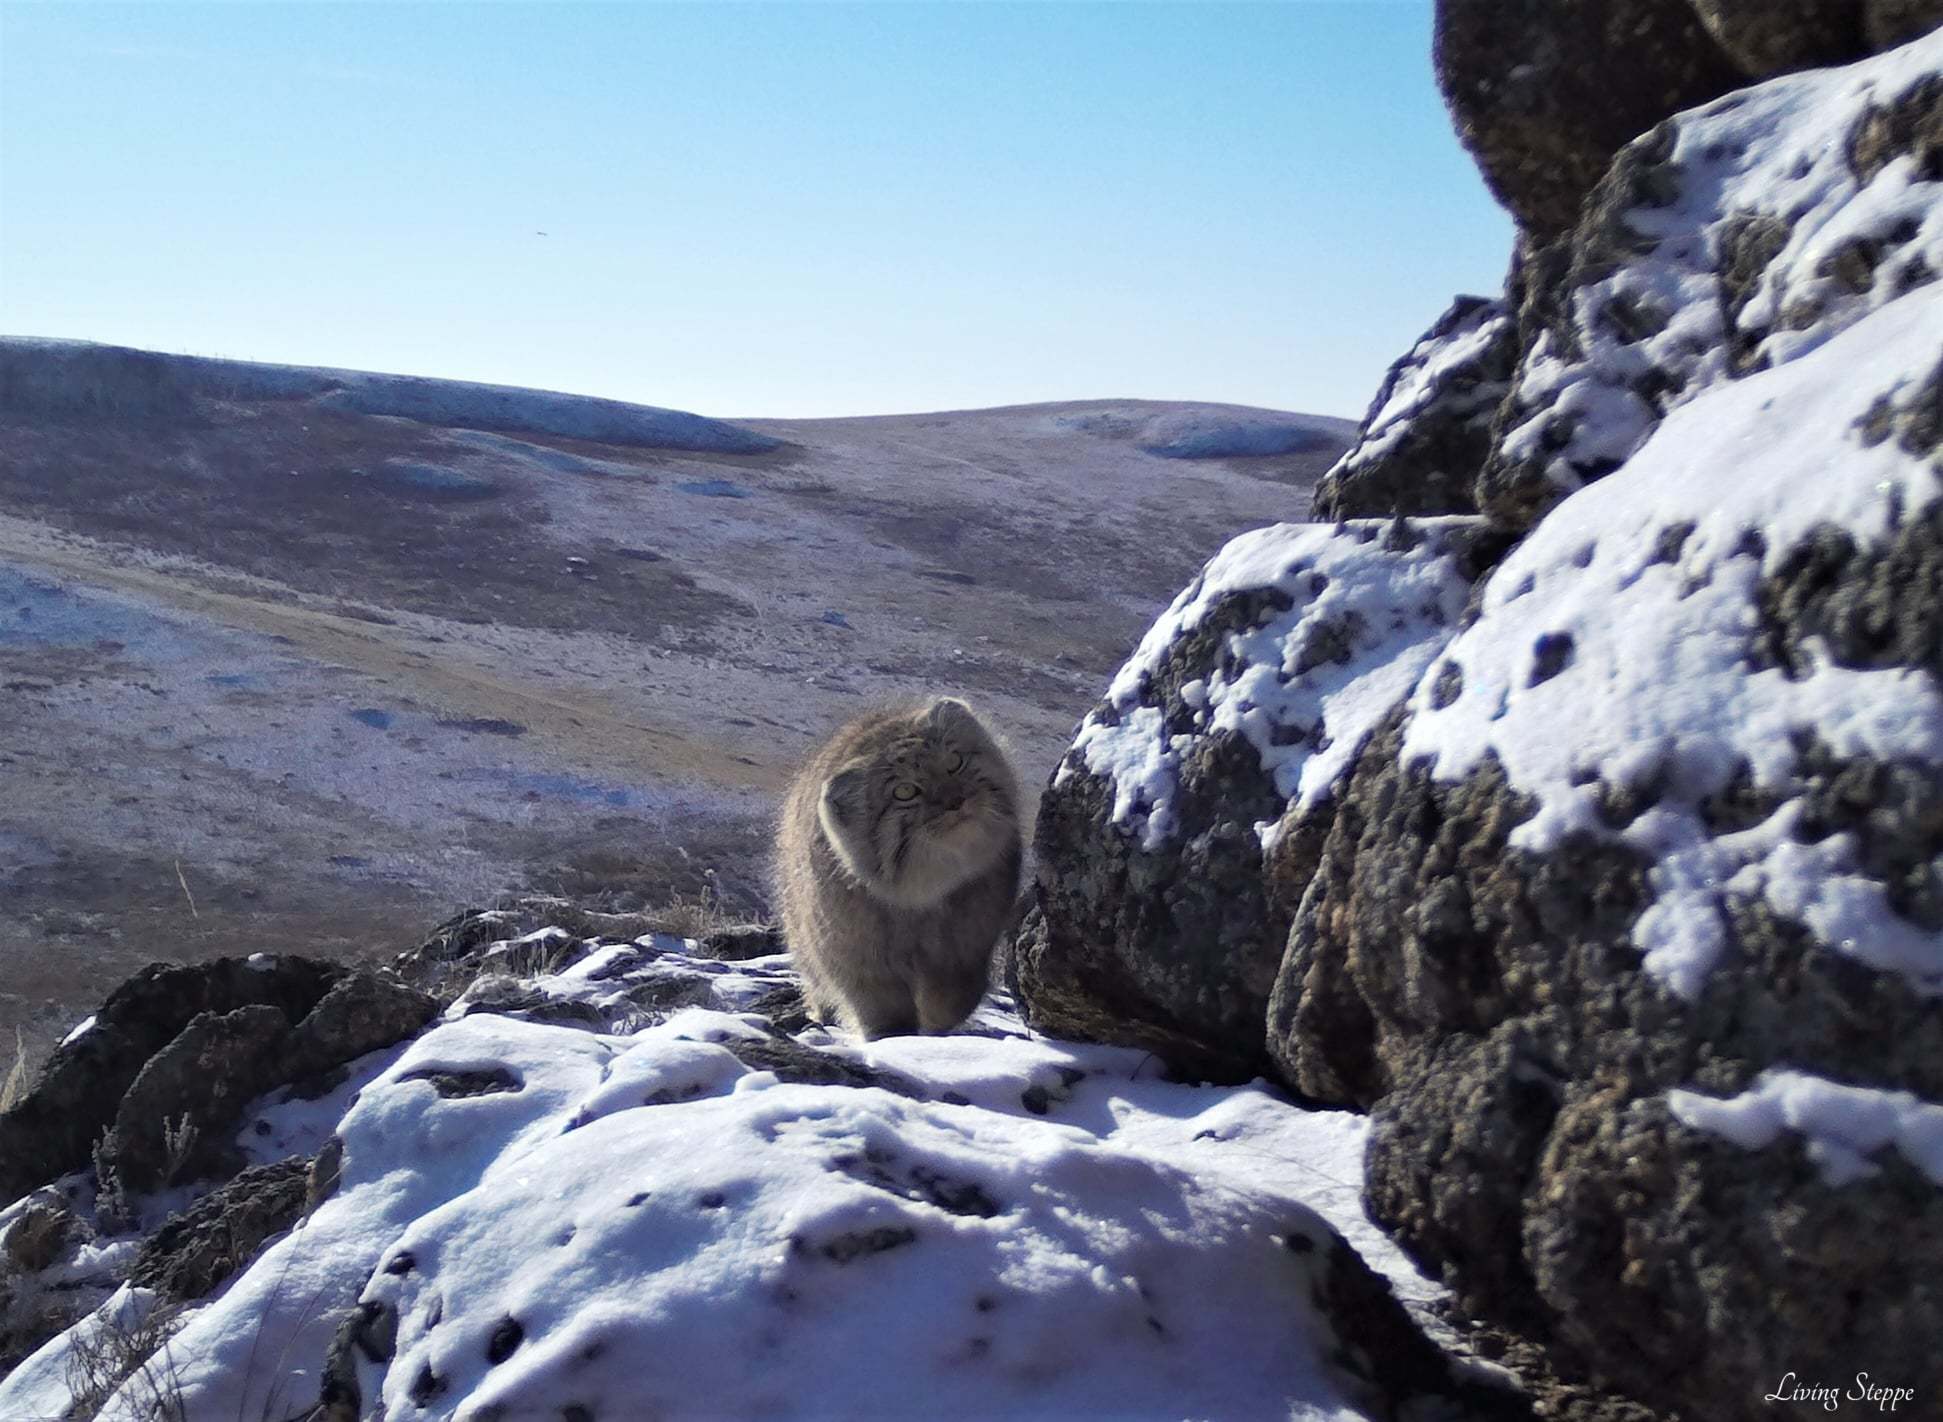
pixel 133 1358
pixel 15 1085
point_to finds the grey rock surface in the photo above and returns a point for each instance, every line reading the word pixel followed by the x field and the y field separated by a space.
pixel 1544 92
pixel 170 1125
pixel 1489 1005
pixel 1887 23
pixel 1500 977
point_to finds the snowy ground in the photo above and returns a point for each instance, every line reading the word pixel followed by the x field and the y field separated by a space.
pixel 628 1220
pixel 293 673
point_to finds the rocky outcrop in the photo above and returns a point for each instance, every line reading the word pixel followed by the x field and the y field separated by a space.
pixel 1151 921
pixel 151 1085
pixel 1428 432
pixel 1630 925
pixel 537 1204
pixel 1718 245
pixel 1544 92
pixel 75 1098
pixel 1626 920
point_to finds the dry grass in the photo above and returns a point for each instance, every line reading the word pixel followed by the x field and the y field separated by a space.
pixel 694 915
pixel 134 1357
pixel 15 1085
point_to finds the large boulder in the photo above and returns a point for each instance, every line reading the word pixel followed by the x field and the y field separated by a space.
pixel 1728 240
pixel 1769 37
pixel 1428 431
pixel 1544 92
pixel 1888 23
pixel 1629 925
pixel 1152 923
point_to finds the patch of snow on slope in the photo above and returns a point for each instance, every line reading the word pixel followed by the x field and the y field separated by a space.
pixel 1211 434
pixel 1653 334
pixel 1209 431
pixel 459 403
pixel 554 1212
pixel 1360 616
pixel 1599 656
pixel 41 1387
pixel 1843 1125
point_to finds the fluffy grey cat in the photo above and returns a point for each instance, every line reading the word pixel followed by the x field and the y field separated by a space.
pixel 898 859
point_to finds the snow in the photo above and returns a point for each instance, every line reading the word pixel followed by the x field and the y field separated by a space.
pixel 40 1388
pixel 1207 431
pixel 1775 152
pixel 1207 434
pixel 1370 617
pixel 1008 1226
pixel 438 402
pixel 1658 685
pixel 1841 1125
pixel 79 1030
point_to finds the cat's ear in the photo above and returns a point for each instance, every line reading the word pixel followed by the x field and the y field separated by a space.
pixel 948 713
pixel 843 795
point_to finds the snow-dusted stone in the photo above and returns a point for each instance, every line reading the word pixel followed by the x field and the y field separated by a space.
pixel 1428 431
pixel 1152 922
pixel 861 1257
pixel 1742 235
pixel 1630 922
pixel 1544 92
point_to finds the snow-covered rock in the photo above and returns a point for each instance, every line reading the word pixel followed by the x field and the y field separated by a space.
pixel 1428 431
pixel 1245 702
pixel 618 1205
pixel 1739 236
pixel 1629 925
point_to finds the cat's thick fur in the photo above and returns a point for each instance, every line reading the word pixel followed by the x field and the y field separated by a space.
pixel 898 860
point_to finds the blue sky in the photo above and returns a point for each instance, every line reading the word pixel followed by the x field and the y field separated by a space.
pixel 779 209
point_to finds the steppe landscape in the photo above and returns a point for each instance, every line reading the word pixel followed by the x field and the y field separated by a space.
pixel 304 660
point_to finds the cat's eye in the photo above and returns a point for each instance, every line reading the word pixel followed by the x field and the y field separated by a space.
pixel 957 762
pixel 905 792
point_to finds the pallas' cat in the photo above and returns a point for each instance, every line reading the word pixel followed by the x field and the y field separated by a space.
pixel 898 858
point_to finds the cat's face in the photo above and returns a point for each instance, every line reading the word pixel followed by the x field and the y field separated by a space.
pixel 928 802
